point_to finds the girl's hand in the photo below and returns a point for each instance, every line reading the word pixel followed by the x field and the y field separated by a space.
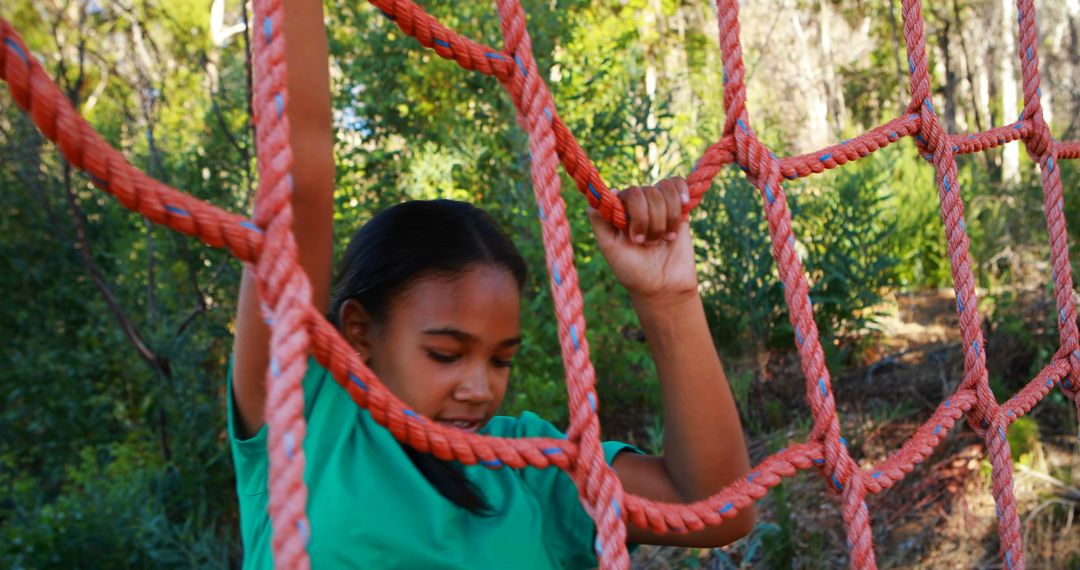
pixel 654 259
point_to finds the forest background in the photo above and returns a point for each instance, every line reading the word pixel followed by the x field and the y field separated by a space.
pixel 117 332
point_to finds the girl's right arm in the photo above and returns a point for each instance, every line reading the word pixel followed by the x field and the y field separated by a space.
pixel 704 446
pixel 311 136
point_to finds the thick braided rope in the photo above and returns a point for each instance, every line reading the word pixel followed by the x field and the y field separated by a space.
pixel 599 487
pixel 285 290
pixel 988 416
pixel 1042 147
pixel 32 90
pixel 763 170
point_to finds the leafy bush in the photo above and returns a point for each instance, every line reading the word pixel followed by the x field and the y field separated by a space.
pixel 845 232
pixel 847 229
pixel 121 506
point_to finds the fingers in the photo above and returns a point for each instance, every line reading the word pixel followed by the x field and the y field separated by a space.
pixel 672 192
pixel 655 212
pixel 637 213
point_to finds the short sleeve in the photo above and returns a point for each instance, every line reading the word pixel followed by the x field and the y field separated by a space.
pixel 250 457
pixel 569 533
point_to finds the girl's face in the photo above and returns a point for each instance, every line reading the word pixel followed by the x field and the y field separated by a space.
pixel 446 344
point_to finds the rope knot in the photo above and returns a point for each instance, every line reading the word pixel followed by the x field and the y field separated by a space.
pixel 1071 383
pixel 1038 142
pixel 761 166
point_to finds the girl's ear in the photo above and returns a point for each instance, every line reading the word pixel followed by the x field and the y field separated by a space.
pixel 356 327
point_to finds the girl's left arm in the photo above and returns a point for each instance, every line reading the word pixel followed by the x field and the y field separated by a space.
pixel 704 448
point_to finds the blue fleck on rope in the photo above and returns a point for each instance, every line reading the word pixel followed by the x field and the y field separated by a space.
pixel 18 51
pixel 177 211
pixel 251 227
pixel 356 380
pixel 594 192
pixel 99 181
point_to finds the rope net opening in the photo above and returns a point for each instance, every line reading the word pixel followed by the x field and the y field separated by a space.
pixel 267 243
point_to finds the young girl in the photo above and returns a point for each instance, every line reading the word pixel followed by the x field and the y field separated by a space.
pixel 428 294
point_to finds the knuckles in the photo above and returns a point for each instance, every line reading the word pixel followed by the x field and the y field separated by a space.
pixel 655 211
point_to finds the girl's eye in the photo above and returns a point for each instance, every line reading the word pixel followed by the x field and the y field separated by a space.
pixel 442 357
pixel 502 363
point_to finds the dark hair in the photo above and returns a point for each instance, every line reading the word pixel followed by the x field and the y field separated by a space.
pixel 402 245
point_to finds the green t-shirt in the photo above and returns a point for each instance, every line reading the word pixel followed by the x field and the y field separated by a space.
pixel 369 507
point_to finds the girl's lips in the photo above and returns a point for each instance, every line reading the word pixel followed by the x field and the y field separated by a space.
pixel 465 425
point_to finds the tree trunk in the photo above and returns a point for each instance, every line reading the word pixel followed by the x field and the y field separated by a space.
pixel 975 87
pixel 816 133
pixel 1010 158
pixel 949 90
pixel 650 30
pixel 901 74
pixel 834 91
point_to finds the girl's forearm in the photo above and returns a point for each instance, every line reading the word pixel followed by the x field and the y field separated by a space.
pixel 704 448
pixel 312 142
pixel 312 139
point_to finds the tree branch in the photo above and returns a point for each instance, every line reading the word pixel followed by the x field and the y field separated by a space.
pixel 248 177
pixel 159 363
pixel 82 244
pixel 200 305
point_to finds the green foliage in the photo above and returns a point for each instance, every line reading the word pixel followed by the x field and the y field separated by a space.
pixel 104 452
pixel 847 231
pixel 919 240
pixel 845 235
pixel 104 456
pixel 740 383
pixel 738 277
pixel 779 546
pixel 1023 438
pixel 1012 322
pixel 118 508
pixel 751 548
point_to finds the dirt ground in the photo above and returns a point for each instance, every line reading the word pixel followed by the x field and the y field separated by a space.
pixel 942 514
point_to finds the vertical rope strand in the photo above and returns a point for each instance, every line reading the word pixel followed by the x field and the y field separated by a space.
pixel 285 288
pixel 601 491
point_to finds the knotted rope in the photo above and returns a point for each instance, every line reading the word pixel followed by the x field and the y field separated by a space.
pixel 269 246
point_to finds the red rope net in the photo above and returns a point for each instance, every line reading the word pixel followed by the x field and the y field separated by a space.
pixel 268 244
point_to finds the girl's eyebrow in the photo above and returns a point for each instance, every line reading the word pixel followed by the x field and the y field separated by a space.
pixel 462 336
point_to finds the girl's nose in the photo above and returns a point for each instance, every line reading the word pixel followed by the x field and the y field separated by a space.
pixel 474 387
